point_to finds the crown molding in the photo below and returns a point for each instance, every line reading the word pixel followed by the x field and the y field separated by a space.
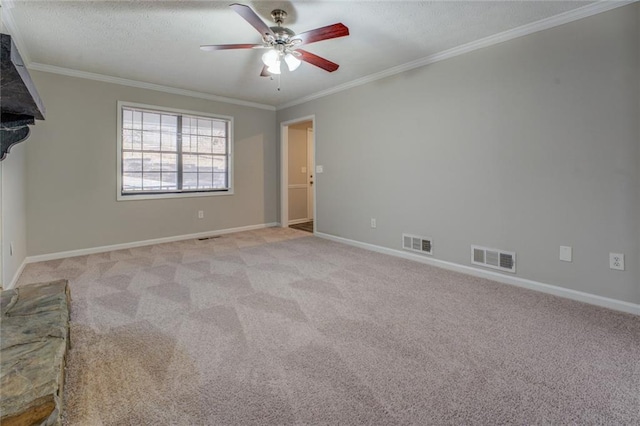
pixel 12 29
pixel 7 18
pixel 534 27
pixel 143 85
pixel 547 23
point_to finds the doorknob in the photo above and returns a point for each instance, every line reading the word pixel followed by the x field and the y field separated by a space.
pixel 311 183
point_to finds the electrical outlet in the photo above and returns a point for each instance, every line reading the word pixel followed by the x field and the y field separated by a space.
pixel 616 261
pixel 373 222
pixel 200 214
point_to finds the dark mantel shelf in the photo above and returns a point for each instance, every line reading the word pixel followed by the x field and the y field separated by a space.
pixel 20 104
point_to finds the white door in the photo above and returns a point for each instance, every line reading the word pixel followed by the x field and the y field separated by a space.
pixel 310 173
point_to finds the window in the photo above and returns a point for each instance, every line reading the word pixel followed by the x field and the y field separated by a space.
pixel 170 153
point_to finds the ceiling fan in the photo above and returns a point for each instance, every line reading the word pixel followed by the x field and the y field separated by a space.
pixel 282 43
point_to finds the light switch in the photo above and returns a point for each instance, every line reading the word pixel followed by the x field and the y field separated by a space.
pixel 566 253
pixel 303 169
pixel 319 169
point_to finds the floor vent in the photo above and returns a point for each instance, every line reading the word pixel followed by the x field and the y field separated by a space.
pixel 209 238
pixel 419 244
pixel 492 258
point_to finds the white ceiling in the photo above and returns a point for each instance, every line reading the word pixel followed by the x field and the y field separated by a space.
pixel 158 41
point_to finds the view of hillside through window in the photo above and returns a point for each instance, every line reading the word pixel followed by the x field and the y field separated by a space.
pixel 167 152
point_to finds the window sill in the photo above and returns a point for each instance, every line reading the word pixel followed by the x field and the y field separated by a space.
pixel 137 197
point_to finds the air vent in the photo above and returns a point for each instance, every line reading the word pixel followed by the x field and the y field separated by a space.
pixel 493 258
pixel 418 244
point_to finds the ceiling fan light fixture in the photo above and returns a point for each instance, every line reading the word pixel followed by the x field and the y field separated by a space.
pixel 275 68
pixel 292 62
pixel 270 57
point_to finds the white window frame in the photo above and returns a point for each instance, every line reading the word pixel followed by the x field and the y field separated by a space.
pixel 189 194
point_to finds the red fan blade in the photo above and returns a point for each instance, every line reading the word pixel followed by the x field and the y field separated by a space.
pixel 211 47
pixel 316 60
pixel 250 16
pixel 264 72
pixel 324 33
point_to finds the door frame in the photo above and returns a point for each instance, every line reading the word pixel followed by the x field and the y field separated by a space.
pixel 284 170
pixel 311 166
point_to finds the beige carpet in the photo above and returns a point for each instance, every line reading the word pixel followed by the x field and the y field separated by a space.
pixel 279 327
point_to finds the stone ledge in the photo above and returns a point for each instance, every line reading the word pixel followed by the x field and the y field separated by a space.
pixel 34 341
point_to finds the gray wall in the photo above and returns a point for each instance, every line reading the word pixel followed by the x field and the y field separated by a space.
pixel 2 282
pixel 523 146
pixel 13 181
pixel 71 202
pixel 13 222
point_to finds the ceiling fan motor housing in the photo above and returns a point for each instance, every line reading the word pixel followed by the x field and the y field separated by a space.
pixel 282 35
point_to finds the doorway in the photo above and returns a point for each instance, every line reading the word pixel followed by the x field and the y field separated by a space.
pixel 297 174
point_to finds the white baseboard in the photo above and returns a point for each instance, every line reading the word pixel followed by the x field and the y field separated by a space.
pixel 16 276
pixel 102 249
pixel 297 221
pixel 580 296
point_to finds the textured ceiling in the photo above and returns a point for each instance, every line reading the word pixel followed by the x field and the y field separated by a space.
pixel 158 41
